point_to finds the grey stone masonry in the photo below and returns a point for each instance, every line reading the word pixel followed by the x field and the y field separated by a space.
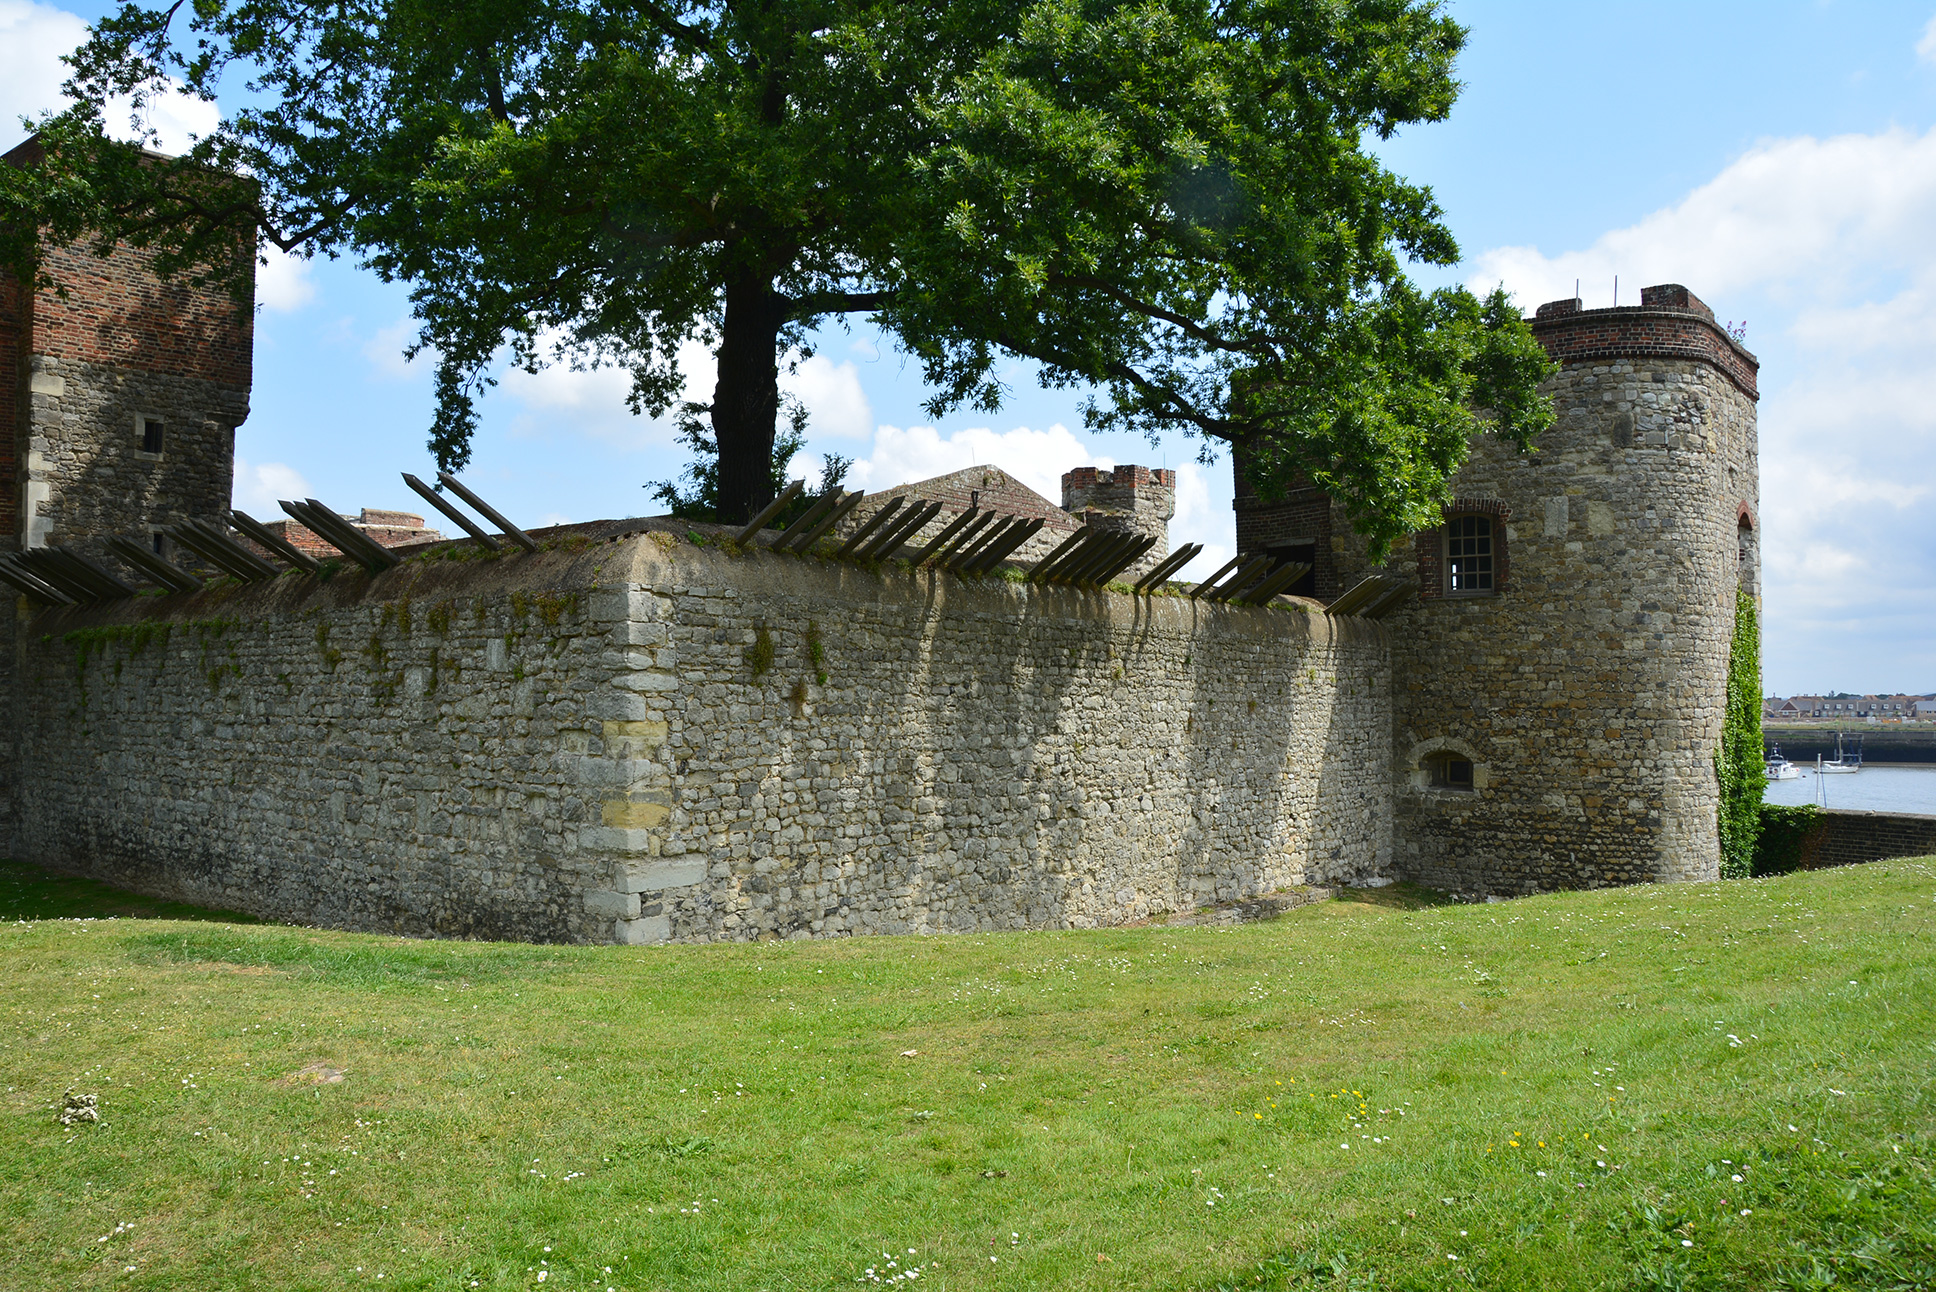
pixel 87 473
pixel 643 739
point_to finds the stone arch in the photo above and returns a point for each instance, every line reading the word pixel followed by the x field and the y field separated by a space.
pixel 1747 547
pixel 1419 764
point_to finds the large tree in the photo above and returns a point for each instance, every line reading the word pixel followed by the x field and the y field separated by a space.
pixel 1167 201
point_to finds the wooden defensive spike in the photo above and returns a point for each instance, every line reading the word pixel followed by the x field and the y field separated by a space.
pixel 807 519
pixel 1243 578
pixel 151 564
pixel 487 511
pixel 462 521
pixel 339 534
pixel 1357 596
pixel 1080 570
pixel 900 531
pixel 953 527
pixel 1123 561
pixel 874 522
pixel 85 572
pixel 47 568
pixel 23 580
pixel 350 540
pixel 216 547
pixel 1276 581
pixel 968 550
pixel 1048 563
pixel 768 512
pixel 832 518
pixel 965 537
pixel 1392 599
pixel 275 542
pixel 995 553
pixel 1169 565
pixel 1211 582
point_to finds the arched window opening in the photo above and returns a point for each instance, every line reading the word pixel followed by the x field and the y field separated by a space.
pixel 1745 550
pixel 1449 771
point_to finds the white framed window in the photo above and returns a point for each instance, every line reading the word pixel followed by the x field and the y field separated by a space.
pixel 1468 555
pixel 151 433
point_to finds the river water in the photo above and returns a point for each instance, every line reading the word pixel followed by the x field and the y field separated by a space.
pixel 1873 789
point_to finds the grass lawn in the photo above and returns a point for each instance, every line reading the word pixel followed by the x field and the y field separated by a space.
pixel 1693 1086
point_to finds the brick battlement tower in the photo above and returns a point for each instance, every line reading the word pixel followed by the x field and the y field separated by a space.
pixel 126 392
pixel 1128 499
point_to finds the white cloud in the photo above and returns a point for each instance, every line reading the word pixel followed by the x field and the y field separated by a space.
pixel 282 282
pixel 1926 47
pixel 1805 215
pixel 1036 458
pixel 1201 518
pixel 385 350
pixel 1824 245
pixel 33 37
pixel 259 486
pixel 561 400
pixel 836 405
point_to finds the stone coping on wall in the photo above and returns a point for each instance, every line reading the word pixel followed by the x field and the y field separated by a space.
pixel 451 565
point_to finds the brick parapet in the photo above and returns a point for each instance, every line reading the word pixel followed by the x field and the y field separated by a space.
pixel 1849 838
pixel 1669 323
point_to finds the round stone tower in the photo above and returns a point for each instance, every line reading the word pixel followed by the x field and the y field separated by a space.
pixel 1561 677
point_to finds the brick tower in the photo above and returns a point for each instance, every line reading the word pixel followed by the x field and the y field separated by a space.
pixel 126 394
pixel 123 397
pixel 1560 677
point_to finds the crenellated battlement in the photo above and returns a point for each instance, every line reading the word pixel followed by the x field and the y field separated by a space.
pixel 1669 323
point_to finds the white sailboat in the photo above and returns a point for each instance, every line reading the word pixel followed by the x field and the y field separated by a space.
pixel 1842 763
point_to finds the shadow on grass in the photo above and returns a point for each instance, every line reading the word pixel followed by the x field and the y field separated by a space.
pixel 1401 896
pixel 30 893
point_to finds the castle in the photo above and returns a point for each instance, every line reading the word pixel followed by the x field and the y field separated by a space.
pixel 644 730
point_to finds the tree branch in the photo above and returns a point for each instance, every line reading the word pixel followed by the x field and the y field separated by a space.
pixel 817 303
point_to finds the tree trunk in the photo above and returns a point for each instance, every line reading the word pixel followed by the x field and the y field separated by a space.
pixel 746 402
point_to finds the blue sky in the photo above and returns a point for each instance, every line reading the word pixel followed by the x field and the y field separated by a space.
pixel 1778 158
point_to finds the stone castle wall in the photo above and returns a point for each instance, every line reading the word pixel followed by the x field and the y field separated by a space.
pixel 644 739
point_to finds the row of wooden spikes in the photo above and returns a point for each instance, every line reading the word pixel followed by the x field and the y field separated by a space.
pixel 977 541
pixel 61 576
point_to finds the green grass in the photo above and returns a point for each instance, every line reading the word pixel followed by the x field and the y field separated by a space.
pixel 1558 1091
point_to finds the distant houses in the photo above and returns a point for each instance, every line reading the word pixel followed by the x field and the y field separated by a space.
pixel 1849 708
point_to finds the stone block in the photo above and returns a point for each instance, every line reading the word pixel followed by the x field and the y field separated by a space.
pixel 602 902
pixel 604 838
pixel 644 931
pixel 652 876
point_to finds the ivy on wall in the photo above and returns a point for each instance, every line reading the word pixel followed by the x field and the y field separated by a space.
pixel 1738 762
pixel 1788 836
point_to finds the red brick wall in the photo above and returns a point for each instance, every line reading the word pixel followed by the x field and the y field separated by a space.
pixel 118 312
pixel 13 413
